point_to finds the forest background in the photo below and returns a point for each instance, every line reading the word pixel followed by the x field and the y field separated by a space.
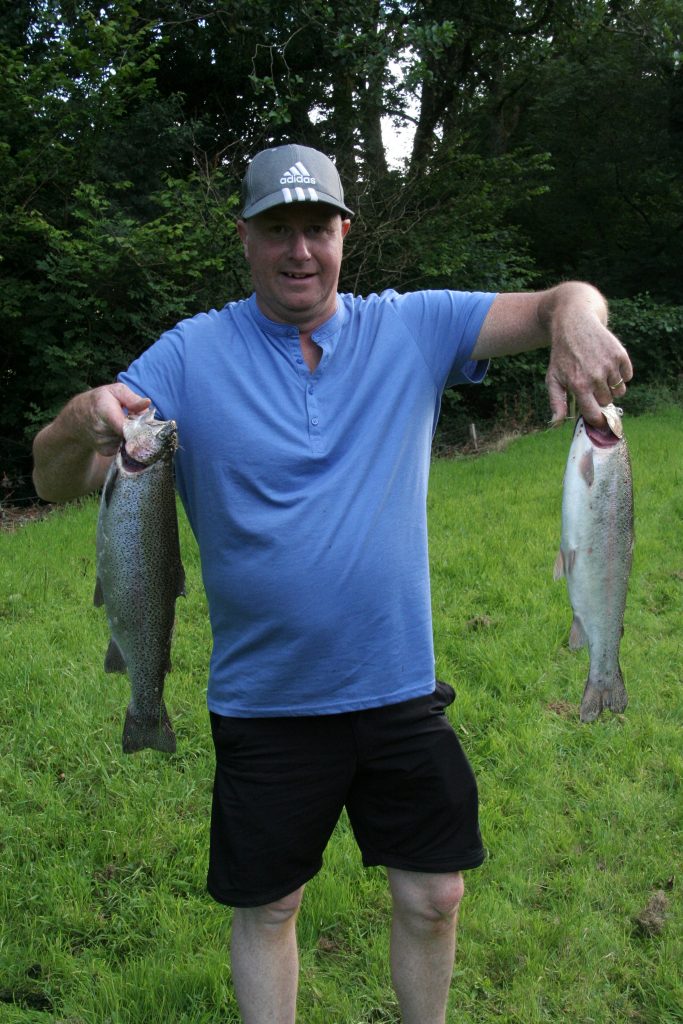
pixel 546 143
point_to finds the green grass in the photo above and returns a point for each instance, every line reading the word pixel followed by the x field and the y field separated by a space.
pixel 103 913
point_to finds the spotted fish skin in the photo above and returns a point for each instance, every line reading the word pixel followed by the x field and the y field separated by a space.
pixel 140 573
pixel 596 553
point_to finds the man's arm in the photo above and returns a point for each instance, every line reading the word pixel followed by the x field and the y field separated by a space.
pixel 72 454
pixel 585 357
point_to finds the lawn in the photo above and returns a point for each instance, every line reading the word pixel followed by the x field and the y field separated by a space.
pixel 575 916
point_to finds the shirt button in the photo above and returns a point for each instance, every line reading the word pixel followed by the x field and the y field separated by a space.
pixel 310 391
pixel 315 421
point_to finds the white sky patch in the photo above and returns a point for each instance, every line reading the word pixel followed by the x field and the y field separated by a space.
pixel 398 142
pixel 398 132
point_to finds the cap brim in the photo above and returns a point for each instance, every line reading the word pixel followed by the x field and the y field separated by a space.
pixel 275 199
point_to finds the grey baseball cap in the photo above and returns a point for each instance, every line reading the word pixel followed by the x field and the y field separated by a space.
pixel 291 174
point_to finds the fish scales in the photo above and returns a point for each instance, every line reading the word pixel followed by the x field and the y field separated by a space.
pixel 140 573
pixel 596 553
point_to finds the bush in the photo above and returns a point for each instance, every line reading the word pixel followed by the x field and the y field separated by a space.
pixel 653 334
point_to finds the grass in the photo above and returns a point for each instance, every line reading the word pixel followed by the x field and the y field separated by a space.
pixel 103 913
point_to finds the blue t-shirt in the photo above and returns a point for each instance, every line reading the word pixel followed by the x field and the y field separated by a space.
pixel 307 492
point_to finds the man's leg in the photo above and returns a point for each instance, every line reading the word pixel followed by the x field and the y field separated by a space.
pixel 423 942
pixel 265 960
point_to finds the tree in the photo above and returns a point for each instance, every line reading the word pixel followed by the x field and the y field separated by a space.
pixel 547 143
pixel 606 103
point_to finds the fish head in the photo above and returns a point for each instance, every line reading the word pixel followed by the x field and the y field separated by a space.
pixel 147 440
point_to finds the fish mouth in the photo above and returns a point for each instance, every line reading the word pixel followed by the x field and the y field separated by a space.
pixel 601 438
pixel 130 464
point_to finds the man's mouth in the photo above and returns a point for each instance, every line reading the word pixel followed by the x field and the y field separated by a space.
pixel 297 277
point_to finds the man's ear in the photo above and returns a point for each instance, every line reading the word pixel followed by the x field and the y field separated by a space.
pixel 243 232
pixel 346 224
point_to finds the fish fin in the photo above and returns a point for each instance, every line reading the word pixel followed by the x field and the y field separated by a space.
pixel 114 660
pixel 603 693
pixel 98 596
pixel 586 467
pixel 109 484
pixel 577 635
pixel 181 592
pixel 140 734
pixel 558 570
pixel 564 563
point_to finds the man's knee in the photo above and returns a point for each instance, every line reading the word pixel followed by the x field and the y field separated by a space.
pixel 428 901
pixel 271 916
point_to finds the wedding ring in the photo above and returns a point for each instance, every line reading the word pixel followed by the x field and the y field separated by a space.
pixel 613 387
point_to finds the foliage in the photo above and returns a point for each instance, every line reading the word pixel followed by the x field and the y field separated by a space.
pixel 653 334
pixel 113 282
pixel 606 103
pixel 446 229
pixel 547 143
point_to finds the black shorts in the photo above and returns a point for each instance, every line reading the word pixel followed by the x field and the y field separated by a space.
pixel 281 784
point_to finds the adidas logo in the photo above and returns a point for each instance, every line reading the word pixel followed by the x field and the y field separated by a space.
pixel 292 182
pixel 297 175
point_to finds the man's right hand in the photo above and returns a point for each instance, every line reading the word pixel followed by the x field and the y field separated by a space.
pixel 101 413
pixel 73 453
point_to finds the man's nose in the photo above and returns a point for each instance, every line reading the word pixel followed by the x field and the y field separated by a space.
pixel 299 248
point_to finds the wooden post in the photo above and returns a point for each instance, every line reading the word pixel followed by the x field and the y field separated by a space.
pixel 473 435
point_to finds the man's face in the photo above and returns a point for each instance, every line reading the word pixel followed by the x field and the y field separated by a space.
pixel 295 255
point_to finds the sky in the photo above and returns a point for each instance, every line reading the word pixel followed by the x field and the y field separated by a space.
pixel 398 142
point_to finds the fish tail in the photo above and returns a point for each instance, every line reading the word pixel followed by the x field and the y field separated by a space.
pixel 157 734
pixel 603 692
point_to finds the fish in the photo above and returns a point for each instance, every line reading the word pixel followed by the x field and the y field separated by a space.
pixel 595 554
pixel 140 573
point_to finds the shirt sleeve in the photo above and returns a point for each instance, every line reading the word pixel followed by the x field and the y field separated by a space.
pixel 159 372
pixel 445 325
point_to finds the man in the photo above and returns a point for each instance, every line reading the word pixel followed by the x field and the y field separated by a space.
pixel 305 420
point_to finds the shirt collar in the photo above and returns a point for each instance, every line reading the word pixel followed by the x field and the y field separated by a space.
pixel 324 335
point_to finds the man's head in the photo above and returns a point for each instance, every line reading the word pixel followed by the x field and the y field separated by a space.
pixel 292 227
pixel 291 174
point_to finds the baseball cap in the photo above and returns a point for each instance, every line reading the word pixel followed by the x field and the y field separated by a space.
pixel 291 174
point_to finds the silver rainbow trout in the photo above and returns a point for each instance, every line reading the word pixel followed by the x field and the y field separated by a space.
pixel 595 554
pixel 140 573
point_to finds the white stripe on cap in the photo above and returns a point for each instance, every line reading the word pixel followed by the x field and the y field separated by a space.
pixel 287 195
pixel 301 169
pixel 300 194
pixel 312 194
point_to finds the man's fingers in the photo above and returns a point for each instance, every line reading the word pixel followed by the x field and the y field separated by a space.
pixel 109 406
pixel 602 394
pixel 128 399
pixel 591 410
pixel 607 385
pixel 557 394
pixel 618 379
pixel 589 403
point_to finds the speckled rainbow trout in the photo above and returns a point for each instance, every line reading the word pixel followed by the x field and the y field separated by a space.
pixel 140 574
pixel 595 554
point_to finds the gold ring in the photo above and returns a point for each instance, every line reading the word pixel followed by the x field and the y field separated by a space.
pixel 613 387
